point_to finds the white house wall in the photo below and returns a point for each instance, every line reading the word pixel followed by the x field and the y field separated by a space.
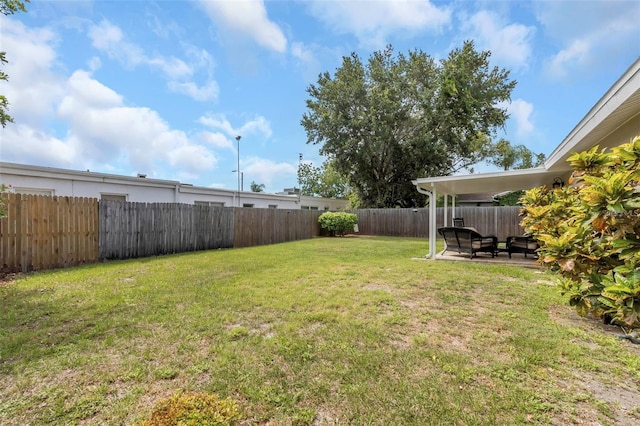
pixel 61 182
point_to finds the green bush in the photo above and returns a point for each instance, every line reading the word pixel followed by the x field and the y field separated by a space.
pixel 337 223
pixel 589 232
pixel 194 409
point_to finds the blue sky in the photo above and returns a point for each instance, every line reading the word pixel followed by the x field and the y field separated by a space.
pixel 163 87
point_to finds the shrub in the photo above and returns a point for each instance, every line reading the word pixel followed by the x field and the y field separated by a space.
pixel 589 232
pixel 194 409
pixel 337 223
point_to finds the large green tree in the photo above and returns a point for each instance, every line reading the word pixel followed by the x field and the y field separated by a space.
pixel 323 181
pixel 401 117
pixel 7 7
pixel 509 156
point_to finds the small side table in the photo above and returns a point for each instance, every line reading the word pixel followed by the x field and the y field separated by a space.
pixel 502 247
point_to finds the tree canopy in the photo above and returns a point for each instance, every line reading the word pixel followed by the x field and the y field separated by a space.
pixel 323 181
pixel 508 156
pixel 8 7
pixel 401 117
pixel 257 187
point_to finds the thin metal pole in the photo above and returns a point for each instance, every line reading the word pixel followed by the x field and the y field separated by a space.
pixel 299 184
pixel 238 170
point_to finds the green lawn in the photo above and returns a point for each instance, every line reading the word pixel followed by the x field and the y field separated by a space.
pixel 322 331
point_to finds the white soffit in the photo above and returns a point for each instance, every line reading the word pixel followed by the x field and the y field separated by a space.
pixel 511 180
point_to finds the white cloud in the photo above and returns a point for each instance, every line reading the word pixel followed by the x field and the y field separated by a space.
pixel 309 58
pixel 218 121
pixel 32 88
pixel 573 56
pixel 91 92
pixel 24 144
pixel 102 128
pixel 510 44
pixel 94 63
pixel 199 93
pixel 257 126
pixel 192 157
pixel 520 111
pixel 105 35
pixel 372 22
pixel 217 140
pixel 248 17
pixel 264 171
pixel 303 53
pixel 172 67
pixel 163 29
pixel 589 35
pixel 108 38
pixel 260 125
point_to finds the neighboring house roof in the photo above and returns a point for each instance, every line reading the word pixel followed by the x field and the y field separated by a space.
pixel 78 183
pixel 479 197
pixel 613 120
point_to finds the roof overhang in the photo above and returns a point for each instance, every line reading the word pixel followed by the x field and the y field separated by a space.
pixel 511 180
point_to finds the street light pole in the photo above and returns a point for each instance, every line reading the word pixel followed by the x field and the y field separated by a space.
pixel 238 169
pixel 299 183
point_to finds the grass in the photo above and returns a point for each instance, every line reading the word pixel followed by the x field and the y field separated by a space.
pixel 322 331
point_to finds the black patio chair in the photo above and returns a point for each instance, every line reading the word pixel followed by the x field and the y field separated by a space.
pixel 467 240
pixel 458 222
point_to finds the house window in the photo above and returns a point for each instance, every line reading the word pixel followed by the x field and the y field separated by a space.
pixel 209 203
pixel 114 197
pixel 247 205
pixel 33 191
pixel 273 206
pixel 309 207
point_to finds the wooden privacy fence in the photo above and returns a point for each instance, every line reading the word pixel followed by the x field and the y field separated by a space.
pixel 129 230
pixel 51 232
pixel 42 232
pixel 255 227
pixel 501 221
pixel 394 222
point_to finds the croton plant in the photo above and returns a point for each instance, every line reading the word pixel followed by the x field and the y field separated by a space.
pixel 589 232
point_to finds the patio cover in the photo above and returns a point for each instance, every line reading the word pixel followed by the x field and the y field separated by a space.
pixel 511 180
pixel 613 120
